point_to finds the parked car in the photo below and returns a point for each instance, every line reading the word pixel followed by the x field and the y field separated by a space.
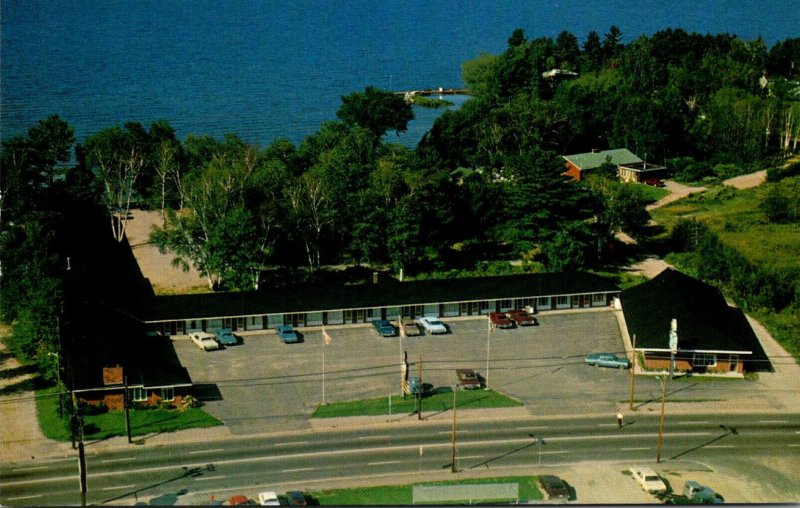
pixel 500 320
pixel 648 479
pixel 432 325
pixel 205 341
pixel 237 500
pixel 467 379
pixel 384 328
pixel 226 337
pixel 296 498
pixel 700 494
pixel 287 334
pixel 410 328
pixel 268 498
pixel 608 360
pixel 416 387
pixel 554 486
pixel 521 317
pixel 655 182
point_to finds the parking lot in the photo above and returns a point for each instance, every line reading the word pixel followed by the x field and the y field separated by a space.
pixel 265 385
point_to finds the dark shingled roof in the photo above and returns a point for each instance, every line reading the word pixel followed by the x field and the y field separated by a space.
pixel 390 293
pixel 705 320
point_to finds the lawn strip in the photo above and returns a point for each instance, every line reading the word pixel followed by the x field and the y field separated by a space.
pixel 466 399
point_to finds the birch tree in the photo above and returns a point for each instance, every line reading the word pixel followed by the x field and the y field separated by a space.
pixel 312 211
pixel 118 160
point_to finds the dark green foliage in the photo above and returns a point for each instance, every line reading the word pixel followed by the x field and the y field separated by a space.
pixel 376 110
pixel 754 286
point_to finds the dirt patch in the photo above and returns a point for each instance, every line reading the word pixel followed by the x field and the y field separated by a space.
pixel 676 191
pixel 747 181
pixel 19 427
pixel 157 267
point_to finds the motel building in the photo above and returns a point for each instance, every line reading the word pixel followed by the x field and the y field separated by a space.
pixel 384 298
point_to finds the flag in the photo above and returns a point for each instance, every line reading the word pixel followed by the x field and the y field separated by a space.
pixel 400 327
pixel 326 337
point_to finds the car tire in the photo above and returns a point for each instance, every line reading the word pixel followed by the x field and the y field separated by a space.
pixel 619 366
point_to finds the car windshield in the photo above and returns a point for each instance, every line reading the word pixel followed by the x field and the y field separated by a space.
pixel 434 322
pixel 651 478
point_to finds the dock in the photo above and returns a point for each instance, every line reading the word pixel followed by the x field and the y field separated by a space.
pixel 433 91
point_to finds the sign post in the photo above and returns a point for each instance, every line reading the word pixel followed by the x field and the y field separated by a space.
pixel 673 346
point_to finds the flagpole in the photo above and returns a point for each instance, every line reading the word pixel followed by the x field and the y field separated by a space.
pixel 323 365
pixel 488 342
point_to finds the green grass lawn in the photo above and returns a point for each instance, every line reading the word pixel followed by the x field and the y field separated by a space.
pixel 652 194
pixel 112 423
pixel 465 399
pixel 403 494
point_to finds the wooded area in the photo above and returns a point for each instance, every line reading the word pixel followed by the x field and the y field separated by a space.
pixel 484 183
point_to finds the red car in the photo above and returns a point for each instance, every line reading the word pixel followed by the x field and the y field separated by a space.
pixel 500 320
pixel 655 182
pixel 521 317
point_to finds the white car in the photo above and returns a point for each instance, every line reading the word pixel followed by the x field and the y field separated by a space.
pixel 268 498
pixel 205 341
pixel 432 325
pixel 648 479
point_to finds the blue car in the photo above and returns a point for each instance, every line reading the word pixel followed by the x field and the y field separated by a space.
pixel 226 337
pixel 287 334
pixel 608 360
pixel 384 328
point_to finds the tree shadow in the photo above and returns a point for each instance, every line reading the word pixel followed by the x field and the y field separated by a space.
pixel 165 499
pixel 486 463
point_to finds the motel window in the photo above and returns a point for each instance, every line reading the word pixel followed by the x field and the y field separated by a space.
pixel 168 393
pixel 598 299
pixel 506 305
pixel 139 394
pixel 450 309
pixel 562 301
pixel 704 360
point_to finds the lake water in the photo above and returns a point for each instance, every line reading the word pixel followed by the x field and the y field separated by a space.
pixel 265 69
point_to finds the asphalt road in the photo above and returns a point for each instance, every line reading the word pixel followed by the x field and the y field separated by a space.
pixel 420 450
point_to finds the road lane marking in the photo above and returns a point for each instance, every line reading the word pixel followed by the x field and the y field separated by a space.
pixel 607 424
pixel 721 446
pixel 468 457
pixel 296 470
pixel 28 468
pixel 206 451
pixel 23 497
pixel 634 449
pixel 384 463
pixel 374 437
pixel 350 451
pixel 209 478
pixel 555 452
pixel 691 423
pixel 119 487
pixel 124 459
pixel 291 443
pixel 794 445
pixel 773 421
pixel 540 427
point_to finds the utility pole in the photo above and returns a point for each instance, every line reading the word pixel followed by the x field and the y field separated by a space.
pixel 661 422
pixel 419 390
pixel 633 369
pixel 453 443
pixel 82 470
pixel 127 411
